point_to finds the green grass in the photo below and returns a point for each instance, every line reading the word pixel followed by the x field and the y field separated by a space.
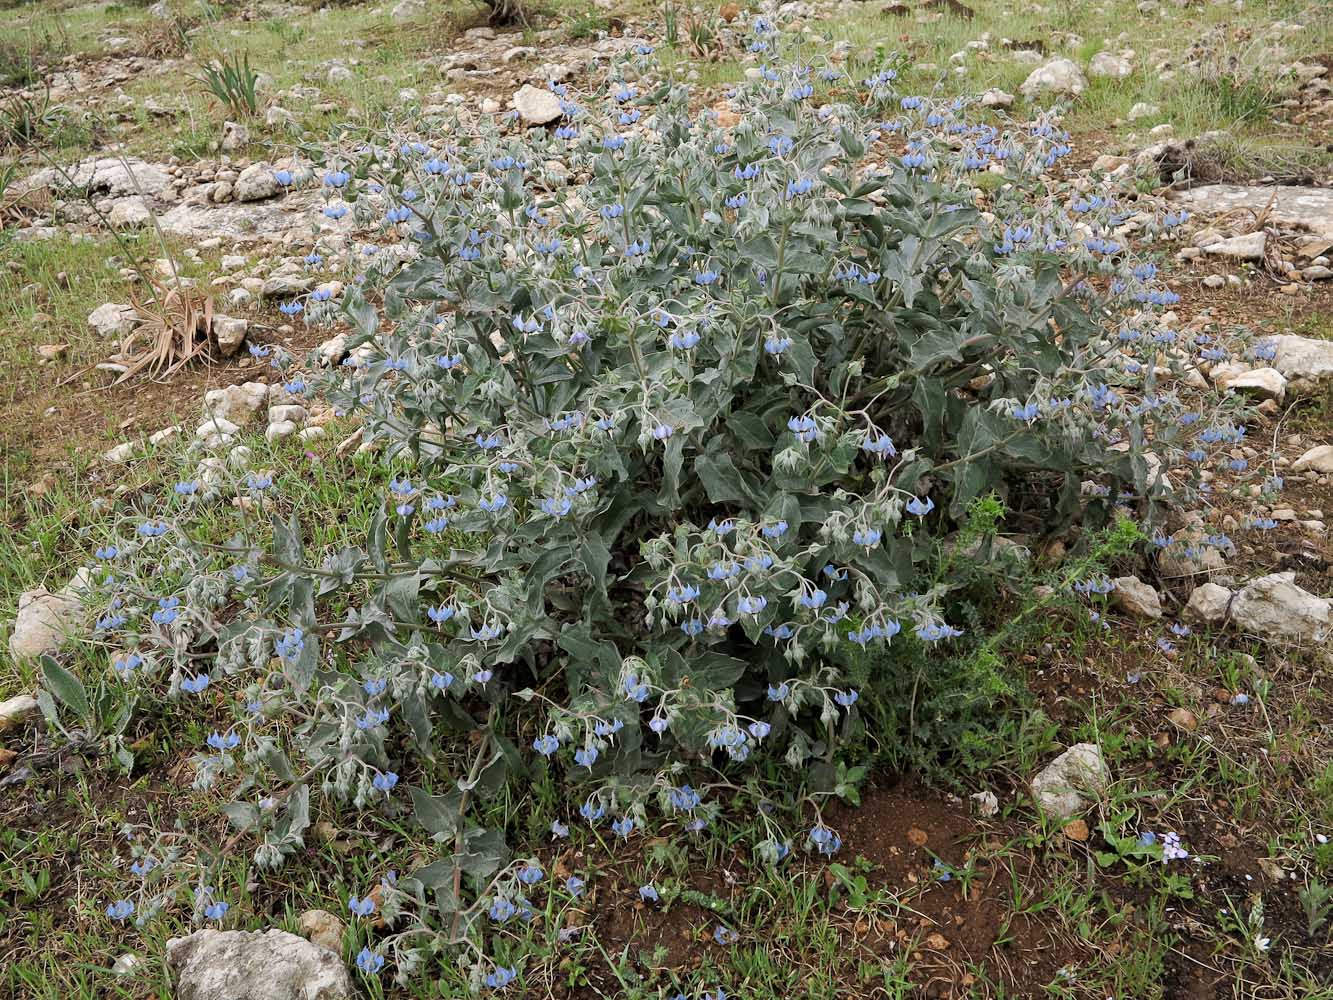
pixel 1236 90
pixel 64 280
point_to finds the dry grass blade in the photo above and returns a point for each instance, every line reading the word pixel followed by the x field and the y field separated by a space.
pixel 168 38
pixel 21 206
pixel 175 327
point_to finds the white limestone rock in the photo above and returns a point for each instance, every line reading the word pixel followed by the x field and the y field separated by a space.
pixel 1277 611
pixel 1060 788
pixel 1058 77
pixel 537 107
pixel 1133 596
pixel 252 965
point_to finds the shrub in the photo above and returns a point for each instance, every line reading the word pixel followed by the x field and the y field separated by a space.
pixel 506 11
pixel 168 37
pixel 680 418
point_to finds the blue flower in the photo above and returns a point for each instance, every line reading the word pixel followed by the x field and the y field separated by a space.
pixel 574 886
pixel 623 827
pixel 531 874
pixel 880 445
pixel 751 605
pixel 369 962
pixel 813 600
pixel 825 840
pixel 361 907
pixel 441 614
pixel 222 743
pixel 919 507
pixel 384 782
pixel 546 745
pixel 372 718
pixel 586 757
pixel 1027 412
pixel 682 595
pixel 120 909
pixel 934 632
pixel 124 664
pixel 217 910
pixel 501 977
pixel 804 428
pixel 290 646
pixel 799 187
pixel 648 894
pixel 168 608
pixel 555 506
pixel 635 690
pixel 195 685
pixel 684 798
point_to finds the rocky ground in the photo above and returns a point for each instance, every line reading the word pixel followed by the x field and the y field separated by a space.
pixel 141 213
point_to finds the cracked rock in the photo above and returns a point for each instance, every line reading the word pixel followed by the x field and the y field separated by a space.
pixel 1275 609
